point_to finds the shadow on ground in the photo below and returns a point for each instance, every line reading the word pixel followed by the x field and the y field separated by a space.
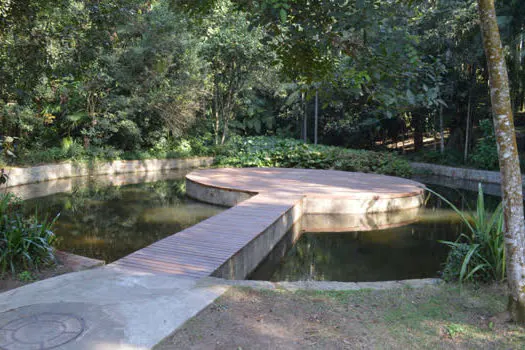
pixel 423 318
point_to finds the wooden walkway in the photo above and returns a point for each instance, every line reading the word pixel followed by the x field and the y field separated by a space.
pixel 201 249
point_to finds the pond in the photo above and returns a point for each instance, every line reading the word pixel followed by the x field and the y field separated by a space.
pixel 109 222
pixel 101 220
pixel 395 253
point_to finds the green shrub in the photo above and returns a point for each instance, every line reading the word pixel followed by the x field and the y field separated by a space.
pixel 70 149
pixel 25 276
pixel 485 153
pixel 479 254
pixel 128 135
pixel 102 153
pixel 261 151
pixel 25 243
pixel 449 157
pixel 183 148
pixel 258 151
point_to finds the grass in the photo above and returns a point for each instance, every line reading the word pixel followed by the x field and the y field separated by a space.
pixel 418 318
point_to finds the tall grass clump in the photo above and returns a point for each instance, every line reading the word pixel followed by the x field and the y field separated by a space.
pixel 25 242
pixel 478 255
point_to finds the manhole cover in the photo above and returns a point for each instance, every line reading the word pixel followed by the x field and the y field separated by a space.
pixel 41 331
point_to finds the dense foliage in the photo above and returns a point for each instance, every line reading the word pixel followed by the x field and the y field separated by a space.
pixel 109 79
pixel 72 150
pixel 254 151
pixel 25 242
pixel 289 153
pixel 485 153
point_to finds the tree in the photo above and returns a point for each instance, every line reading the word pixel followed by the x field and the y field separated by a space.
pixel 511 185
pixel 296 25
pixel 155 79
pixel 236 56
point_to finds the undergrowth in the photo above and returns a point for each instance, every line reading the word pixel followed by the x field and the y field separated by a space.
pixel 25 242
pixel 478 255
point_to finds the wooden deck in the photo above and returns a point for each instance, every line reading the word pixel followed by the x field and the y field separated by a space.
pixel 201 249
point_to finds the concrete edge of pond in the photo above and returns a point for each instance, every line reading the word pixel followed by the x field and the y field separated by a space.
pixel 485 176
pixel 255 192
pixel 77 262
pixel 324 285
pixel 323 191
pixel 47 172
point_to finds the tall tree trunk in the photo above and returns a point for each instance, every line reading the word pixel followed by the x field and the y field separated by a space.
pixel 316 117
pixel 511 186
pixel 224 131
pixel 467 126
pixel 305 119
pixel 521 92
pixel 215 112
pixel 448 54
pixel 227 115
pixel 434 131
pixel 441 132
pixel 417 120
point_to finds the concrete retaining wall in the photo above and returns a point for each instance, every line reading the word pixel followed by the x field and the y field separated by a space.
pixel 320 205
pixel 359 222
pixel 242 264
pixel 47 188
pixel 460 173
pixel 22 176
pixel 214 195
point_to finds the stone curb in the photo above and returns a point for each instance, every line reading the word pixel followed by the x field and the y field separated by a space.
pixel 325 286
pixel 77 262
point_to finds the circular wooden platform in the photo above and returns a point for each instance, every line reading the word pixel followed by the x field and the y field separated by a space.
pixel 324 191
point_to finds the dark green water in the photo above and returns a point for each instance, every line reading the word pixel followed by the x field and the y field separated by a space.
pixel 406 252
pixel 108 223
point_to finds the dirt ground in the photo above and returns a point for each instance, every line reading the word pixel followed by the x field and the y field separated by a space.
pixel 438 317
pixel 9 281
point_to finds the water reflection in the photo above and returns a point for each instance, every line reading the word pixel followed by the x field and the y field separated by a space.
pixel 109 222
pixel 409 251
pixel 393 246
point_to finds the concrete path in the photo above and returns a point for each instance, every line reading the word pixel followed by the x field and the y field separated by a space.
pixel 140 299
pixel 100 309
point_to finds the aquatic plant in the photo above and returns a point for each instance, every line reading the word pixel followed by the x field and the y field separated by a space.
pixel 24 242
pixel 478 254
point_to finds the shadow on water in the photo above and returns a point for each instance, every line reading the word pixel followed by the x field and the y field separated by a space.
pixel 108 222
pixel 399 247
